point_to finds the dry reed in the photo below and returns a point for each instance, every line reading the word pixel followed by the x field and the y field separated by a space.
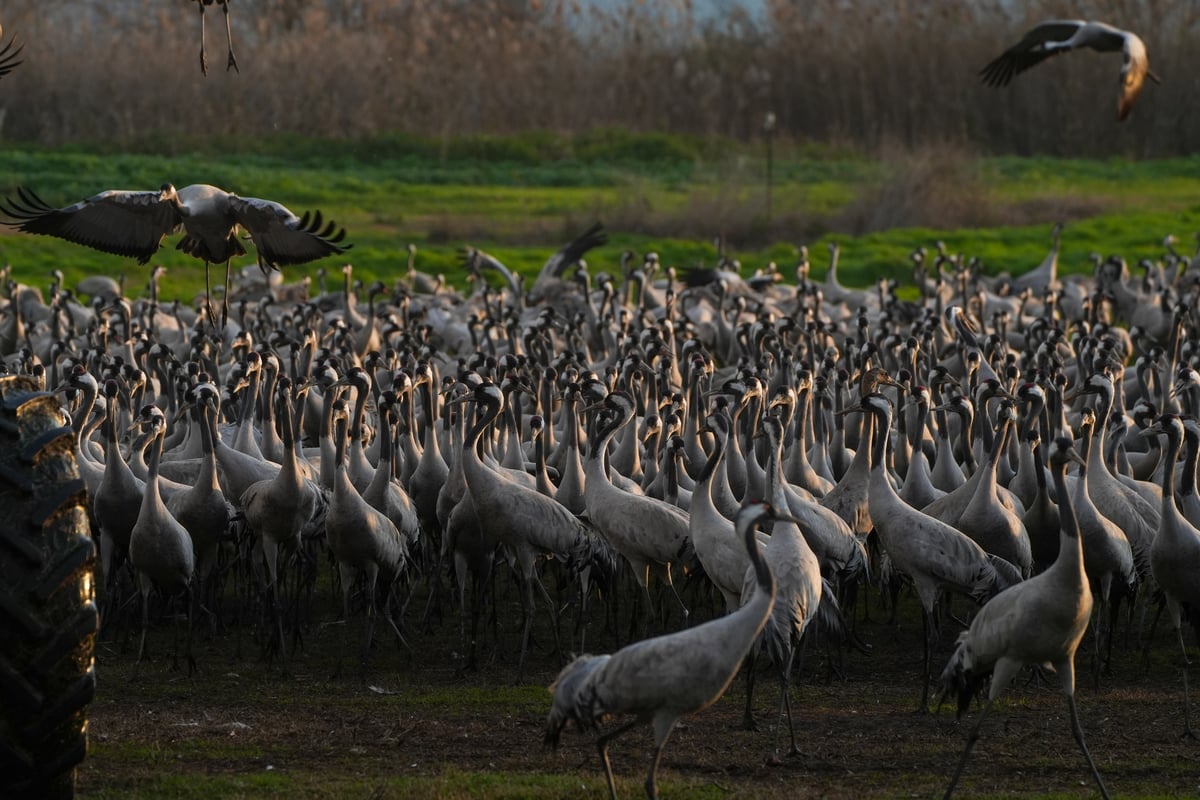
pixel 865 74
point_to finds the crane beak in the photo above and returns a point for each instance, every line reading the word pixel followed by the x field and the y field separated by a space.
pixel 848 410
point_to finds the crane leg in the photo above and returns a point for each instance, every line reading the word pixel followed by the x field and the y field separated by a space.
pixel 661 733
pixel 785 704
pixel 225 297
pixel 928 625
pixel 387 615
pixel 553 609
pixel 190 598
pixel 678 599
pixel 208 289
pixel 145 624
pixel 1150 636
pixel 1187 704
pixel 582 620
pixel 346 574
pixel 962 762
pixel 1077 731
pixel 232 65
pixel 477 592
pixel 602 746
pixel 527 608
pixel 203 57
pixel 748 665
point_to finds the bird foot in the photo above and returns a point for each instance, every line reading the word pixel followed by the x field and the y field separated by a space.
pixel 1188 733
pixel 749 724
pixel 203 64
pixel 773 760
pixel 232 65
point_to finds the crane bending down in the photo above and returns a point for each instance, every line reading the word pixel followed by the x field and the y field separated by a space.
pixel 1037 621
pixel 232 63
pixel 134 223
pixel 663 678
pixel 1061 35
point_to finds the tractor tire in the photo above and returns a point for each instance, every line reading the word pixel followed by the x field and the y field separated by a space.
pixel 48 615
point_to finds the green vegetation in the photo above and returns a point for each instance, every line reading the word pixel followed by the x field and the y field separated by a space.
pixel 521 196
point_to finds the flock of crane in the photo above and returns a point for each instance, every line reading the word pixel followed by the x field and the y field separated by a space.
pixel 585 427
pixel 646 424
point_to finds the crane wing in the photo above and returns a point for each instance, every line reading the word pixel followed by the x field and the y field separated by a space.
pixel 281 237
pixel 477 260
pixel 1030 51
pixel 570 253
pixel 8 56
pixel 124 223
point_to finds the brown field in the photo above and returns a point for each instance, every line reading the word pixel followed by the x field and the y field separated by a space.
pixel 419 727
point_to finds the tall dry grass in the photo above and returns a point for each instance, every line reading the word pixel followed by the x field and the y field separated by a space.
pixel 859 73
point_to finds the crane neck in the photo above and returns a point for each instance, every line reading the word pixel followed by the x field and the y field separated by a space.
pixel 764 580
pixel 1191 458
pixel 1174 444
pixel 1068 522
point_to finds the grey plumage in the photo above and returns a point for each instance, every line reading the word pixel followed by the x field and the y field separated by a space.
pixel 1038 621
pixel 661 679
pixel 1062 35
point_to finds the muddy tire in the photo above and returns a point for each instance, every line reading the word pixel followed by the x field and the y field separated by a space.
pixel 48 616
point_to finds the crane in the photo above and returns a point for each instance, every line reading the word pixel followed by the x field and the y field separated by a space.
pixel 663 678
pixel 1175 554
pixel 935 555
pixel 134 223
pixel 279 508
pixel 1063 35
pixel 1038 621
pixel 651 534
pixel 160 549
pixel 361 539
pixel 799 585
pixel 520 517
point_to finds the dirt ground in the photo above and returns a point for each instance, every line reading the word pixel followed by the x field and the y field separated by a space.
pixel 419 726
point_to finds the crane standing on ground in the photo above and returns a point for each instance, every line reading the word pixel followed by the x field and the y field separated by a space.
pixel 663 678
pixel 1037 621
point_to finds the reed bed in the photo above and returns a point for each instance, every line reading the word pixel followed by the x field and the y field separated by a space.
pixel 867 75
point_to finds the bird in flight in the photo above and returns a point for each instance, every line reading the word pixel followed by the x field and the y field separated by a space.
pixel 8 56
pixel 134 223
pixel 1061 35
pixel 231 64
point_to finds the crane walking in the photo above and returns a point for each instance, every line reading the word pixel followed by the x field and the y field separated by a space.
pixel 661 679
pixel 1038 621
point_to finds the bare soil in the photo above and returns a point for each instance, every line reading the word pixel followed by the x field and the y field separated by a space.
pixel 423 718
